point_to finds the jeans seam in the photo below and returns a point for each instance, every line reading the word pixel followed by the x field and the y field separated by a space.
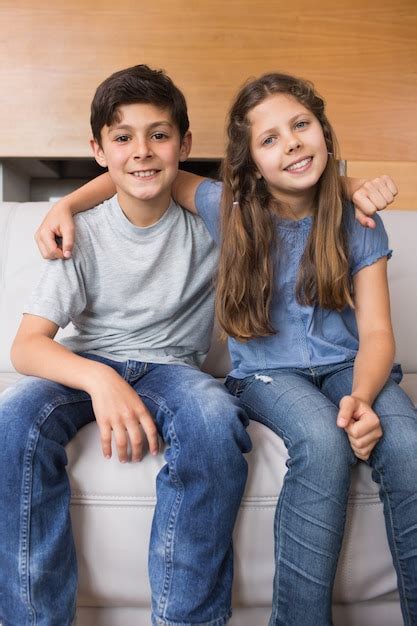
pixel 275 603
pixel 400 577
pixel 171 524
pixel 25 513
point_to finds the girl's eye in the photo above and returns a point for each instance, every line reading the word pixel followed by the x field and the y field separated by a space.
pixel 301 124
pixel 268 141
pixel 122 139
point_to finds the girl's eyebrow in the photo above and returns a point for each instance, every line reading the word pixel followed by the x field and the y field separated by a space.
pixel 291 121
pixel 269 131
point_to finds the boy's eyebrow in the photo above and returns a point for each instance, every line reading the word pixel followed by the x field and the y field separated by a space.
pixel 122 126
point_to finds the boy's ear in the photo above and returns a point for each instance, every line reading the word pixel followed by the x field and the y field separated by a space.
pixel 185 147
pixel 98 153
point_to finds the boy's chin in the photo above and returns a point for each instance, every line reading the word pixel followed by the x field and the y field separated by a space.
pixel 145 195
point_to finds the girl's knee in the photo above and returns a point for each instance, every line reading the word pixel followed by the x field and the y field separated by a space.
pixel 325 453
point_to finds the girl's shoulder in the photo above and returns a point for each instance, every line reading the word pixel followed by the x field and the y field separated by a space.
pixel 354 228
pixel 365 245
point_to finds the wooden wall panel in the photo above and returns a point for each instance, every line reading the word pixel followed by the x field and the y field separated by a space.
pixel 362 55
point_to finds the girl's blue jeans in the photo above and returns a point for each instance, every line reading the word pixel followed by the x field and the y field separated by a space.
pixel 198 495
pixel 301 406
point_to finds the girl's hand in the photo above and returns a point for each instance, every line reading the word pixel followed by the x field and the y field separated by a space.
pixel 120 411
pixel 361 425
pixel 58 223
pixel 370 196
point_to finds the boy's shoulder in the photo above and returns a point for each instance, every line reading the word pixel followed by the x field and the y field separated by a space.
pixel 93 215
pixel 92 224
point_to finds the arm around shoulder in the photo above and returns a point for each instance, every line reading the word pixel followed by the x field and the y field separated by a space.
pixel 185 188
pixel 59 222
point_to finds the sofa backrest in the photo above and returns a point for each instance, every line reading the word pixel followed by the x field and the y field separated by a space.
pixel 20 265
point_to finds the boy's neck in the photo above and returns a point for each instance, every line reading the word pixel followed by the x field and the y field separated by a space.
pixel 143 213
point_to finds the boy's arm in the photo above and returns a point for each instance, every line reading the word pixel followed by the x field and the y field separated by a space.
pixel 374 358
pixel 369 196
pixel 117 407
pixel 59 222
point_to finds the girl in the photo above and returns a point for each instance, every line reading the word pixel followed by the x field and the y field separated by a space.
pixel 302 293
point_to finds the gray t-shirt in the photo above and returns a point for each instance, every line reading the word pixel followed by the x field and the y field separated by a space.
pixel 134 293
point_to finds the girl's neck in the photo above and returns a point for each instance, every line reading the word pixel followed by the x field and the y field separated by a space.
pixel 296 207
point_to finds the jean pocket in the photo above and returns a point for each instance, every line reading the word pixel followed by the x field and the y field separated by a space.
pixel 236 386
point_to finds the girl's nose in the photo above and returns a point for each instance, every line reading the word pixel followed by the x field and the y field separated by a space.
pixel 293 144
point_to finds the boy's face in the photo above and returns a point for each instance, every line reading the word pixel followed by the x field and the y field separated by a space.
pixel 142 150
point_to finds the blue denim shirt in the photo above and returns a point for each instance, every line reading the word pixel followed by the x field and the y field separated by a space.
pixel 307 336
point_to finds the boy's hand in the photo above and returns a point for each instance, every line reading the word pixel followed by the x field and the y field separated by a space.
pixel 58 223
pixel 361 425
pixel 120 411
pixel 370 196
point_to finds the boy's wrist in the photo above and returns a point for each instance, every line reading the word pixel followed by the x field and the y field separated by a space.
pixel 96 375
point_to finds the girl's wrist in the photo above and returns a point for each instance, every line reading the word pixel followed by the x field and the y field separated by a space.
pixel 363 396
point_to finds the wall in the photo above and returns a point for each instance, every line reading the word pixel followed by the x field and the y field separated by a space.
pixel 362 56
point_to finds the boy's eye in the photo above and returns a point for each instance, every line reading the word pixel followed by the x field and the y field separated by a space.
pixel 159 136
pixel 122 138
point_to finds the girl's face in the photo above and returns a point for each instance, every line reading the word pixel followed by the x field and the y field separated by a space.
pixel 289 150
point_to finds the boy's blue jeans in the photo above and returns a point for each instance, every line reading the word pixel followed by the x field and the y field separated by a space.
pixel 301 407
pixel 198 495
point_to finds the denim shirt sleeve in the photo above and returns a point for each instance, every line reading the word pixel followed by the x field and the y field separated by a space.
pixel 366 245
pixel 207 201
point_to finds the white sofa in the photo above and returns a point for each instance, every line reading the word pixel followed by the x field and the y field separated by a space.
pixel 112 504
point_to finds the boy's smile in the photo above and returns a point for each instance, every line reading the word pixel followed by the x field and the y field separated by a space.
pixel 142 149
pixel 288 149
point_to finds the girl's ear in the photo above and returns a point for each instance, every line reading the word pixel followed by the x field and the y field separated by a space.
pixel 98 153
pixel 258 175
pixel 185 147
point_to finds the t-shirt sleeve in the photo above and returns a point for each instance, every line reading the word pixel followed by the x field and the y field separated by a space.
pixel 60 294
pixel 207 200
pixel 367 245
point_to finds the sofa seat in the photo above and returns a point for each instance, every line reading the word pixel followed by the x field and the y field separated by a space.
pixel 112 504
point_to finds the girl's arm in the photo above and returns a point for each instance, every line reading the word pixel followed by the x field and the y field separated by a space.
pixel 184 189
pixel 374 358
pixel 59 222
pixel 117 407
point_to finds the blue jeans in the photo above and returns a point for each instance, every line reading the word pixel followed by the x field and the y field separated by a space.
pixel 301 407
pixel 198 495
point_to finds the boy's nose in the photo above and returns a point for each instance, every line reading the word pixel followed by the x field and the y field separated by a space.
pixel 142 150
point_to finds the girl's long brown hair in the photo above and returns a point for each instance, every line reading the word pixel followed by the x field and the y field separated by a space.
pixel 248 223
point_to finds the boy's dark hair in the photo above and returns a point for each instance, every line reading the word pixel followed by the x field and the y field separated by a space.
pixel 137 84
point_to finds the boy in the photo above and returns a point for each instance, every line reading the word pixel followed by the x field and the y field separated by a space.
pixel 142 327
